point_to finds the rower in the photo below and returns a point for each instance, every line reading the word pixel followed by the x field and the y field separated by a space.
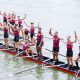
pixel 26 46
pixel 56 40
pixel 26 35
pixel 13 16
pixel 6 35
pixel 9 19
pixel 20 24
pixel 78 56
pixel 32 30
pixel 39 43
pixel 16 36
pixel 69 54
pixel 4 17
pixel 1 25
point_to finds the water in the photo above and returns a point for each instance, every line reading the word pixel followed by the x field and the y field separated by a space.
pixel 61 15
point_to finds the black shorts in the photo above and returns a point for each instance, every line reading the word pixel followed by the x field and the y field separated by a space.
pixel 38 43
pixel 69 54
pixel 32 34
pixel 16 38
pixel 6 35
pixel 79 54
pixel 56 49
pixel 5 21
pixel 20 26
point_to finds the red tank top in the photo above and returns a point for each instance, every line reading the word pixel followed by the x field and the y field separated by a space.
pixel 55 42
pixel 4 18
pixel 0 23
pixel 13 22
pixel 39 36
pixel 32 29
pixel 26 32
pixel 16 33
pixel 79 46
pixel 69 46
pixel 26 46
pixel 19 22
pixel 9 19
pixel 5 30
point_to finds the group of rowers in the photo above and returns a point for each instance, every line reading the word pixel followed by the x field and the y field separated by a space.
pixel 9 22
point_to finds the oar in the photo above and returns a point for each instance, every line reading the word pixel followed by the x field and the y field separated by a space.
pixel 51 51
pixel 6 49
pixel 23 71
pixel 16 55
pixel 8 40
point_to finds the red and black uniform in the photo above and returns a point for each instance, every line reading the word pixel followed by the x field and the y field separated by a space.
pixel 39 39
pixel 9 19
pixel 4 19
pixel 0 23
pixel 5 33
pixel 12 22
pixel 55 44
pixel 20 23
pixel 69 49
pixel 26 47
pixel 32 32
pixel 79 50
pixel 26 32
pixel 16 35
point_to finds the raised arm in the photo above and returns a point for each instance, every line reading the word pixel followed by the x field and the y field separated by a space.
pixel 10 24
pixel 1 13
pixel 32 43
pixel 14 14
pixel 20 42
pixel 50 32
pixel 75 38
pixel 26 24
pixel 63 41
pixel 38 25
pixel 24 17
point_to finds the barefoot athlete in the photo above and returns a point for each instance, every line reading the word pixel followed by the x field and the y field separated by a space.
pixel 56 40
pixel 6 35
pixel 32 29
pixel 69 54
pixel 20 24
pixel 26 46
pixel 16 36
pixel 39 43
pixel 26 34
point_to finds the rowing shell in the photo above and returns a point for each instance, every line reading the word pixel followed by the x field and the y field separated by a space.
pixel 61 65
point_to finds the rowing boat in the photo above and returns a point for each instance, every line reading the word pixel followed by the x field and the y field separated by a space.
pixel 49 62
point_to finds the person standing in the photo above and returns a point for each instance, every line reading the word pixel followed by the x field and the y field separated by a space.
pixel 32 29
pixel 56 40
pixel 39 43
pixel 69 53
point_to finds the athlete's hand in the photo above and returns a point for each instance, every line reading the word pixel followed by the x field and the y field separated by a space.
pixel 25 14
pixel 75 32
pixel 21 39
pixel 50 28
pixel 0 12
pixel 13 11
pixel 62 39
pixel 24 21
pixel 38 22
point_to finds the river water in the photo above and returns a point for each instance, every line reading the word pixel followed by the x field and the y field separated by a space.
pixel 61 15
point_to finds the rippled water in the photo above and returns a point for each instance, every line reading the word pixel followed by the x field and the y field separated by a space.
pixel 62 15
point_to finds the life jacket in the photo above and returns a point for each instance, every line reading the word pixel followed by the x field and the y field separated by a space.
pixel 26 47
pixel 55 41
pixel 16 33
pixel 69 46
